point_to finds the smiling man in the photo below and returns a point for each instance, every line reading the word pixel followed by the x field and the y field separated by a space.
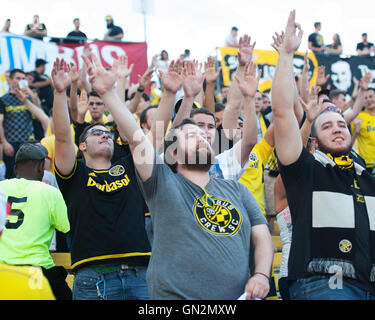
pixel 331 196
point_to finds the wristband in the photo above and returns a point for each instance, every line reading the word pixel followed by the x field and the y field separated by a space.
pixel 140 90
pixel 262 275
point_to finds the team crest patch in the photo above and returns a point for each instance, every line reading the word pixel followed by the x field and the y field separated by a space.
pixel 219 217
pixel 345 246
pixel 253 157
pixel 116 171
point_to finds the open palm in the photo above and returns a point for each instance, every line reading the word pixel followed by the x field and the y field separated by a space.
pixel 249 83
pixel 60 77
pixel 292 40
pixel 173 79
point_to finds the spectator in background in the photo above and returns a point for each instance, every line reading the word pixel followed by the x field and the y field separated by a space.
pixel 15 127
pixel 364 48
pixel 316 43
pixel 114 33
pixel 43 83
pixel 76 34
pixel 161 62
pixel 36 29
pixel 6 27
pixel 187 55
pixel 231 40
pixel 335 48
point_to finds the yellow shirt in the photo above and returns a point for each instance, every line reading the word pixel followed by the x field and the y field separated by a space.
pixel 49 143
pixel 253 177
pixel 23 283
pixel 366 138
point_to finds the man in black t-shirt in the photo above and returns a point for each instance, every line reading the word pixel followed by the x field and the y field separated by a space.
pixel 364 48
pixel 77 35
pixel 315 40
pixel 114 33
pixel 109 248
pixel 43 83
pixel 330 195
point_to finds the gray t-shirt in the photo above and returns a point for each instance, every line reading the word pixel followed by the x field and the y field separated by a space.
pixel 198 253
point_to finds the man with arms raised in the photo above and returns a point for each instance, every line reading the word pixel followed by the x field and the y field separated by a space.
pixel 331 197
pixel 202 225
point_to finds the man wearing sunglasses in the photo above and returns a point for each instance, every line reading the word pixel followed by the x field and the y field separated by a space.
pixel 109 248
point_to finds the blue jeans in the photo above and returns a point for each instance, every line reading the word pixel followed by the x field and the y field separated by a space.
pixel 149 231
pixel 124 284
pixel 318 288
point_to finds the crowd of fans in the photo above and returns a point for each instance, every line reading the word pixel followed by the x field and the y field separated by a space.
pixel 159 195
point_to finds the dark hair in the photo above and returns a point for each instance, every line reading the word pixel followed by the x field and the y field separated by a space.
pixel 316 24
pixel 93 93
pixel 144 96
pixel 143 115
pixel 83 135
pixel 335 93
pixel 170 139
pixel 202 111
pixel 75 19
pixel 14 71
pixel 219 107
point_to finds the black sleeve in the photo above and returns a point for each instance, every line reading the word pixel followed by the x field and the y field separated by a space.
pixel 2 107
pixel 78 130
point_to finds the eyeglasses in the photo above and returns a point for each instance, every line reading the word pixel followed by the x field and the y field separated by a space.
pixel 96 103
pixel 98 133
pixel 334 108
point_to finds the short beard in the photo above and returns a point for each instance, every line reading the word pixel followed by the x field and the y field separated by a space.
pixel 196 164
pixel 323 148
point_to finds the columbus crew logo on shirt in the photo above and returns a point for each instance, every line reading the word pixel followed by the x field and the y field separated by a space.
pixel 221 217
pixel 117 171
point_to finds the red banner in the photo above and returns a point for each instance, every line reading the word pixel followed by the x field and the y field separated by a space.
pixel 108 52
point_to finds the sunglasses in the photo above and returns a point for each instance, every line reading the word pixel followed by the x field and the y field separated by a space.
pixel 334 109
pixel 100 132
pixel 96 103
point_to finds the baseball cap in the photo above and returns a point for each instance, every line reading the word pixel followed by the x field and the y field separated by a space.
pixel 40 62
pixel 31 151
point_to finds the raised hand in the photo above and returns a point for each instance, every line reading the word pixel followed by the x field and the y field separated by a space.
pixel 82 105
pixel 249 83
pixel 101 80
pixel 321 77
pixel 365 81
pixel 245 51
pixel 312 108
pixel 210 71
pixel 60 77
pixel 173 79
pixel 73 72
pixel 145 79
pixel 192 80
pixel 122 69
pixel 20 95
pixel 292 40
pixel 278 40
pixel 306 66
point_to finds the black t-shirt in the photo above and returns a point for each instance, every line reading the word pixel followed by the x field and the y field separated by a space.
pixel 362 46
pixel 325 215
pixel 41 27
pixel 45 93
pixel 221 142
pixel 115 30
pixel 316 39
pixel 106 213
pixel 75 37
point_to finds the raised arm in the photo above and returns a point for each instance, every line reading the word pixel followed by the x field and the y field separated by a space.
pixel 103 82
pixel 192 85
pixel 248 86
pixel 123 72
pixel 235 98
pixel 211 75
pixel 64 147
pixel 287 136
pixel 143 81
pixel 360 100
pixel 171 83
pixel 74 76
